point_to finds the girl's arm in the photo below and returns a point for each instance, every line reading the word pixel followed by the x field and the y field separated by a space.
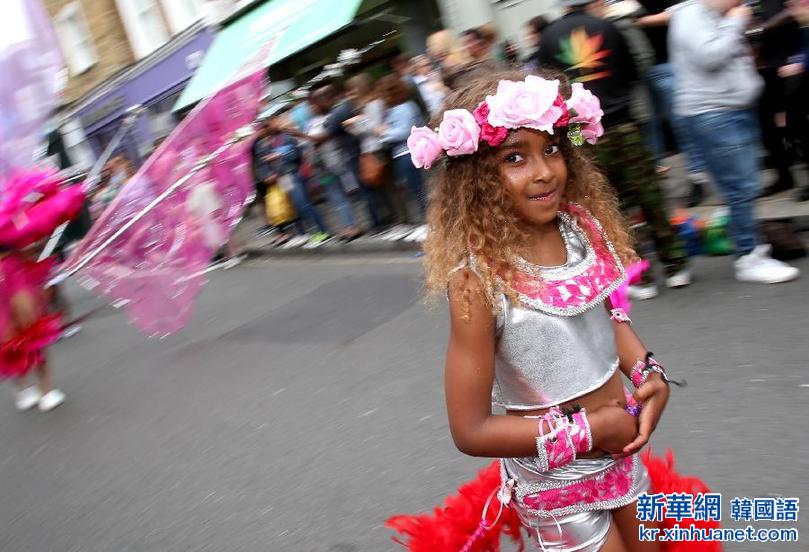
pixel 468 379
pixel 630 348
pixel 653 394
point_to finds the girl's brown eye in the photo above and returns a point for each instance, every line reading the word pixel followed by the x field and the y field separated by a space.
pixel 552 149
pixel 513 158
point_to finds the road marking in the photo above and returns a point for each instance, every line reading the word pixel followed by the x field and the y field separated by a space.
pixel 335 261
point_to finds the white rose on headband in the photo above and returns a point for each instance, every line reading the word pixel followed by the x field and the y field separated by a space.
pixel 459 133
pixel 424 147
pixel 527 103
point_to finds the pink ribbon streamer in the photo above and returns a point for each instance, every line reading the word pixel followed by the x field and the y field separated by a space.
pixel 155 269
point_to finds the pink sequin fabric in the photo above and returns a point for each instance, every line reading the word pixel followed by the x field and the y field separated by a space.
pixel 565 438
pixel 574 292
pixel 156 268
pixel 22 350
pixel 555 449
pixel 580 433
pixel 611 485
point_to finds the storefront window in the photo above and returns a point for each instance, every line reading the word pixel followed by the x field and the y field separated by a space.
pixel 78 150
pixel 161 118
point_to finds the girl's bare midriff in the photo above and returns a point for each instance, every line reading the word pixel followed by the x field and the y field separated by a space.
pixel 609 394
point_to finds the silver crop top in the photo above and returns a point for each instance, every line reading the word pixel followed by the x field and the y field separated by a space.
pixel 559 346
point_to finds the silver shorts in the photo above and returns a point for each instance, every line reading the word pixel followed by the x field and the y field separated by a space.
pixel 583 528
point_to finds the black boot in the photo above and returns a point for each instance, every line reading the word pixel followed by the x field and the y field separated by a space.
pixel 696 195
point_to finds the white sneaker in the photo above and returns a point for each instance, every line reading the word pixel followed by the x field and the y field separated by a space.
pixel 233 262
pixel 643 293
pixel 27 398
pixel 417 235
pixel 681 279
pixel 51 400
pixel 296 241
pixel 758 267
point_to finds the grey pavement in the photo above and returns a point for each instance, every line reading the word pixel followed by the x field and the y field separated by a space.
pixel 304 405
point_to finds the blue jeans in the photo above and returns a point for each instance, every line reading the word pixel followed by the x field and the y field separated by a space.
pixel 306 211
pixel 729 140
pixel 350 179
pixel 338 200
pixel 406 172
pixel 660 79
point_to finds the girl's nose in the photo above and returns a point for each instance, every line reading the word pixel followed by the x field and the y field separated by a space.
pixel 541 169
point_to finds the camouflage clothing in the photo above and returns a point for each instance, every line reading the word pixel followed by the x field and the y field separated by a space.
pixel 624 157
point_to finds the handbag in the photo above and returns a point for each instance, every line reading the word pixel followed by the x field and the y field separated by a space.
pixel 280 210
pixel 373 169
pixel 784 239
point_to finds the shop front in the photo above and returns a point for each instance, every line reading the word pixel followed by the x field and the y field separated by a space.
pixel 155 83
pixel 307 35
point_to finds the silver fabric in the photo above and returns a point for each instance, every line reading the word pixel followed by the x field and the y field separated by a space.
pixel 583 530
pixel 542 359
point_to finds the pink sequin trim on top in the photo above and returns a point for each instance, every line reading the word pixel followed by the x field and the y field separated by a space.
pixel 582 290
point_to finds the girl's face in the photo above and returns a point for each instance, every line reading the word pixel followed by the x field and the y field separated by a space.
pixel 533 170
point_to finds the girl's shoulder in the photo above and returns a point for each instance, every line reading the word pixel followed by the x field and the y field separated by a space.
pixel 467 297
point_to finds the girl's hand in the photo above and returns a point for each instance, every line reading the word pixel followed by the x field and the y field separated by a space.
pixel 613 429
pixel 653 396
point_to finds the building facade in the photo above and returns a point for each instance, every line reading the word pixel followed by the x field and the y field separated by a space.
pixel 120 54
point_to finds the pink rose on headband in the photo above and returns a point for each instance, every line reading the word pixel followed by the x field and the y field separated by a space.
pixel 592 132
pixel 564 119
pixel 492 135
pixel 588 112
pixel 528 103
pixel 424 147
pixel 459 133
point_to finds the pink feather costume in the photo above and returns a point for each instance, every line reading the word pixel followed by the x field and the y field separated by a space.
pixel 32 205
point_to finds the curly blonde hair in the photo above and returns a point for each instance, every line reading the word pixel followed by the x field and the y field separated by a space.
pixel 471 213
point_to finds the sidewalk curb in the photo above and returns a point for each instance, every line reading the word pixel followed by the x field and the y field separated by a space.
pixel 360 246
pixel 370 246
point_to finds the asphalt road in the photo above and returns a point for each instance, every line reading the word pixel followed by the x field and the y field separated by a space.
pixel 304 405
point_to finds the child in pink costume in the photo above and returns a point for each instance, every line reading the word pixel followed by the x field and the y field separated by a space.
pixel 527 242
pixel 32 206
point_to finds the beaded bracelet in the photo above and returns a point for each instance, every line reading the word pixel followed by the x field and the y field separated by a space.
pixel 642 369
pixel 620 316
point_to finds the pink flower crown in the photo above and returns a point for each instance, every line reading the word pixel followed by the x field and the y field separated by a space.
pixel 533 103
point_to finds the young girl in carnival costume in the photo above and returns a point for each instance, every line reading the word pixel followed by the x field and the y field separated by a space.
pixel 32 205
pixel 528 243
